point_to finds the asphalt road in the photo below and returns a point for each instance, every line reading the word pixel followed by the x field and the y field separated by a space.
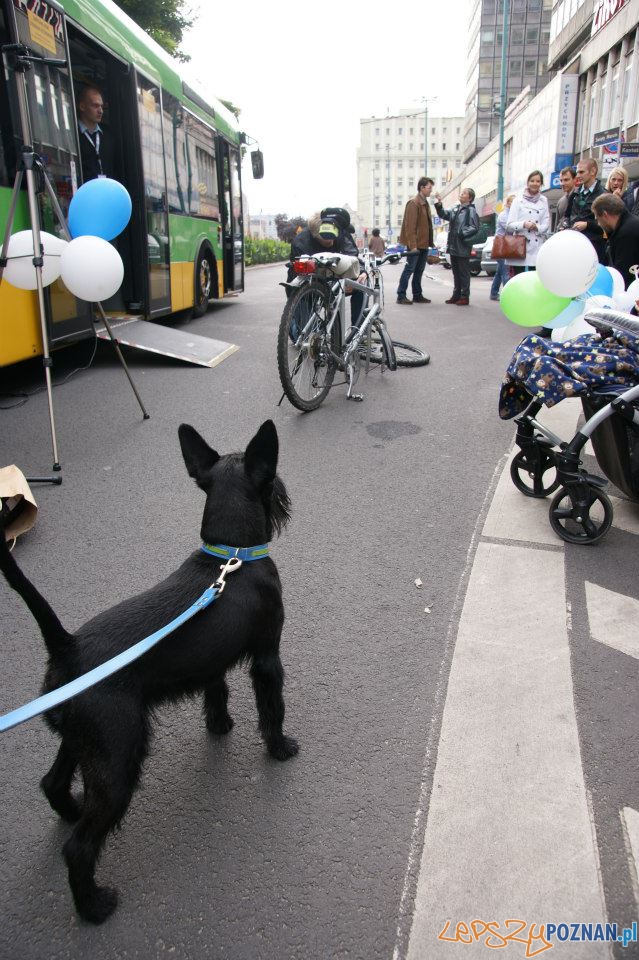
pixel 225 853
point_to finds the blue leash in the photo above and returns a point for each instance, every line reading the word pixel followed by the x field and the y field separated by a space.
pixel 235 556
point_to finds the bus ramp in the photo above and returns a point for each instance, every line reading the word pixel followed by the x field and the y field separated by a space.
pixel 167 341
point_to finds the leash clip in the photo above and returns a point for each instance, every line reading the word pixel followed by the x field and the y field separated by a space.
pixel 234 563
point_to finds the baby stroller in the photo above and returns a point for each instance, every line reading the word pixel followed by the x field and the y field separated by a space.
pixel 580 511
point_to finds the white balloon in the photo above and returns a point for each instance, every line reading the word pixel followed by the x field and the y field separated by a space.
pixel 618 285
pixel 626 300
pixel 20 272
pixel 567 263
pixel 92 269
pixel 579 324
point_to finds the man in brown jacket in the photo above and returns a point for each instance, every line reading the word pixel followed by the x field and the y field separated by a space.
pixel 417 236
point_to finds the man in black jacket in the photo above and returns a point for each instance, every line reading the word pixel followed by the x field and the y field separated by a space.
pixel 96 148
pixel 622 230
pixel 464 228
pixel 631 198
pixel 581 216
pixel 329 230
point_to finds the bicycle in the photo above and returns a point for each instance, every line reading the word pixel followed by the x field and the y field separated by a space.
pixel 313 342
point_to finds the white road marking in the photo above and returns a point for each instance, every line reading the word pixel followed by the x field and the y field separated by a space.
pixel 508 831
pixel 613 619
pixel 630 827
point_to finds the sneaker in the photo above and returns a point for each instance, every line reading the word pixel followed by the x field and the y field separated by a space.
pixel 421 299
pixel 405 301
pixel 494 298
pixel 452 300
pixel 462 302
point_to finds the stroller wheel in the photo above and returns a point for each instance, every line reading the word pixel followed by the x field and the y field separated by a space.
pixel 580 513
pixel 528 472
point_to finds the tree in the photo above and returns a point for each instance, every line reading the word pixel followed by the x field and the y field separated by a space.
pixel 164 20
pixel 236 111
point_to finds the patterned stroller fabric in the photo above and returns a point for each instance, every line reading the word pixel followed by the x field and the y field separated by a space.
pixel 549 371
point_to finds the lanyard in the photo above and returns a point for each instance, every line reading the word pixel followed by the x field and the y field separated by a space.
pixel 96 145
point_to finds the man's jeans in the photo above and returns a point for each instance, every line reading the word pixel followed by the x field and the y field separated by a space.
pixel 502 276
pixel 415 263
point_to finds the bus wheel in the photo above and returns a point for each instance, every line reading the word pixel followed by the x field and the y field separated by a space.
pixel 204 274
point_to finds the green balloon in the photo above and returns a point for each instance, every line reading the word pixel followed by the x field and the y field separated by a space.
pixel 527 303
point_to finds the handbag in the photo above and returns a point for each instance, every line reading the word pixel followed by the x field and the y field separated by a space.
pixel 512 246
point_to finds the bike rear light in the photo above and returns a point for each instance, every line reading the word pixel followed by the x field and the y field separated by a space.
pixel 304 266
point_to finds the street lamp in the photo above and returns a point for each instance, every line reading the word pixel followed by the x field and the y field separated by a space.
pixel 502 100
pixel 426 101
pixel 388 188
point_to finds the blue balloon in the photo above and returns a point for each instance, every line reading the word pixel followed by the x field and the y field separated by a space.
pixel 603 284
pixel 567 315
pixel 100 208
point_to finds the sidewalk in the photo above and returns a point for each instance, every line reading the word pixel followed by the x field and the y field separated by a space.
pixel 510 830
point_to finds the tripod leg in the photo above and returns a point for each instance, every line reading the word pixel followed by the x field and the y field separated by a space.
pixel 10 218
pixel 116 347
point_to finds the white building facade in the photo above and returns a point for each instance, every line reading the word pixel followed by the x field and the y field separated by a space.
pixel 394 153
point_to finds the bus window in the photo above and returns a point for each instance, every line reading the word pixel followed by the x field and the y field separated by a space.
pixel 201 147
pixel 177 173
pixel 155 195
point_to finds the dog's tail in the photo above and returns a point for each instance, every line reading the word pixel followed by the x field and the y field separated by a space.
pixel 54 634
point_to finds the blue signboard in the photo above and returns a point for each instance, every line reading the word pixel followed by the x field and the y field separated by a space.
pixel 554 180
pixel 563 160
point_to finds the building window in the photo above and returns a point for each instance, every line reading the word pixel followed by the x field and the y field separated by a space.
pixel 421 131
pixel 377 184
pixel 399 146
pixel 433 130
pixel 400 131
pixel 443 146
pixel 458 163
pixel 516 35
pixel 543 66
pixel 400 183
pixel 515 67
pixel 400 164
pixel 458 131
pixel 457 147
pixel 377 164
pixel 377 146
pixel 411 146
pixel 411 164
pixel 483 129
pixel 532 34
pixel 376 131
pixel 530 68
pixel 444 130
pixel 432 147
pixel 410 131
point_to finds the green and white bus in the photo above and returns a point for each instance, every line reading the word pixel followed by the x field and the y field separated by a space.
pixel 177 152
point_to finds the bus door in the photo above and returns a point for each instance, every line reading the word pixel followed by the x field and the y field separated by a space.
pixel 232 221
pixel 149 99
pixel 42 28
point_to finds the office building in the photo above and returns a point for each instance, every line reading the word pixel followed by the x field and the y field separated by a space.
pixel 527 60
pixel 394 153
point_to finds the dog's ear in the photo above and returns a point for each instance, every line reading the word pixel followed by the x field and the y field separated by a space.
pixel 260 457
pixel 198 456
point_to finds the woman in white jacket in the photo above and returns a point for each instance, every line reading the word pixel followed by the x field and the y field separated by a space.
pixel 529 216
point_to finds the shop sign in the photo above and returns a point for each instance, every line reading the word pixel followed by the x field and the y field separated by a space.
pixel 606 137
pixel 604 11
pixel 567 114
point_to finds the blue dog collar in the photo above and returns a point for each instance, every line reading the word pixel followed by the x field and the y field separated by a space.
pixel 242 553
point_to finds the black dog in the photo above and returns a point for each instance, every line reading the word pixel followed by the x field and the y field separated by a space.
pixel 105 731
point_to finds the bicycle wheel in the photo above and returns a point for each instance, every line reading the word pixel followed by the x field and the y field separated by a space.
pixel 304 359
pixel 406 355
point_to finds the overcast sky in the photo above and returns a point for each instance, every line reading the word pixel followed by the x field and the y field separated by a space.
pixel 304 74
